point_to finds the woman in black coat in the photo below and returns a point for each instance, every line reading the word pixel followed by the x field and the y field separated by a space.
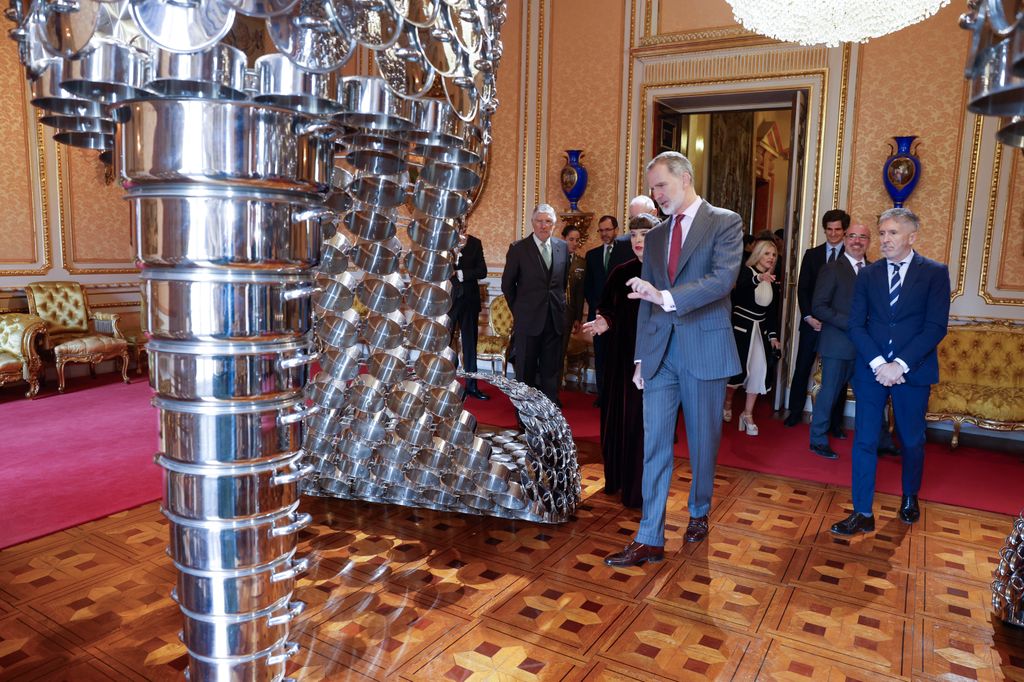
pixel 755 322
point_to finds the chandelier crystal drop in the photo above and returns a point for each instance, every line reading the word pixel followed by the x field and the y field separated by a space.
pixel 830 22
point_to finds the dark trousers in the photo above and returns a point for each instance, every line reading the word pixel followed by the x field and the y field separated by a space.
pixel 467 320
pixel 600 353
pixel 909 404
pixel 835 375
pixel 806 351
pixel 539 359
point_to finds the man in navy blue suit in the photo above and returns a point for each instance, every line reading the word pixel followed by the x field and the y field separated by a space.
pixel 900 312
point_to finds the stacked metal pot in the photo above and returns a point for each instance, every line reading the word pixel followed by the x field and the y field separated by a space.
pixel 995 66
pixel 1008 586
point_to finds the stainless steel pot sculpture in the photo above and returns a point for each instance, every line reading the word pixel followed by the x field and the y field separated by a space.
pixel 995 65
pixel 1008 586
pixel 236 172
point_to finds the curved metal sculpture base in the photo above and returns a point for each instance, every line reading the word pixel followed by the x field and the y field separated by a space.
pixel 1008 586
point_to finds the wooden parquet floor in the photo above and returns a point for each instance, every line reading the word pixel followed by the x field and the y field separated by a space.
pixel 404 594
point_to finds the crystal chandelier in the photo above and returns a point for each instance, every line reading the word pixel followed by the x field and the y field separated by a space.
pixel 830 22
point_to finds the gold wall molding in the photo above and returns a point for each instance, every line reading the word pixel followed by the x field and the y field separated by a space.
pixel 986 259
pixel 844 87
pixel 538 115
pixel 527 33
pixel 722 38
pixel 627 106
pixel 762 63
pixel 1009 226
pixel 972 188
pixel 648 21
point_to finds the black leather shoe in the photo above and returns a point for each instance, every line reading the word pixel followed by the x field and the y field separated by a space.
pixel 838 432
pixel 889 450
pixel 909 511
pixel 635 554
pixel 853 524
pixel 478 394
pixel 824 451
pixel 794 419
pixel 696 529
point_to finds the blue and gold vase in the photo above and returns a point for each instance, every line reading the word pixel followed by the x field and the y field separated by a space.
pixel 574 178
pixel 901 170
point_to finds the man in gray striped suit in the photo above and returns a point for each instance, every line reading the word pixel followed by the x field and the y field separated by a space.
pixel 685 350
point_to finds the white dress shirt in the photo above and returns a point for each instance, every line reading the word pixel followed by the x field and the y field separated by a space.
pixel 689 213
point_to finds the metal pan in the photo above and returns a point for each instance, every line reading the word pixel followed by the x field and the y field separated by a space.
pixel 458 430
pixel 336 295
pixel 370 427
pixel 217 72
pixel 381 259
pixel 1011 130
pixel 458 483
pixel 85 140
pixel 436 457
pixel 240 591
pixel 282 83
pixel 449 176
pixel 246 634
pixel 436 369
pixel 440 500
pixel 429 266
pixel 341 365
pixel 436 124
pixel 334 254
pixel 995 89
pixel 376 162
pixel 266 665
pixel 370 225
pixel 183 26
pixel 430 299
pixel 327 392
pixel 385 472
pixel 434 234
pixel 445 402
pixel 418 479
pixel 388 366
pixel 467 154
pixel 467 26
pixel 430 335
pixel 340 332
pixel 48 95
pixel 354 449
pixel 406 401
pixel 67 28
pixel 416 432
pixel 382 191
pixel 79 124
pixel 405 70
pixel 418 12
pixel 313 35
pixel 352 469
pixel 367 394
pixel 438 203
pixel 382 295
pixel 368 103
pixel 395 451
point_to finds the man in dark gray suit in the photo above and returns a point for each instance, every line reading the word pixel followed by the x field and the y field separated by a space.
pixel 685 350
pixel 534 281
pixel 830 305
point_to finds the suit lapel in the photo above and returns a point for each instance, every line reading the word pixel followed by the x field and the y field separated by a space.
pixel 538 257
pixel 658 241
pixel 911 280
pixel 701 223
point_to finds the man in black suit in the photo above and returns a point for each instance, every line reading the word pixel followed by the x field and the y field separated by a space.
pixel 899 314
pixel 835 223
pixel 599 264
pixel 470 268
pixel 534 281
pixel 833 295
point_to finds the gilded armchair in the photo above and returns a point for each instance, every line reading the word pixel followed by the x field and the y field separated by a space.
pixel 493 347
pixel 73 332
pixel 19 357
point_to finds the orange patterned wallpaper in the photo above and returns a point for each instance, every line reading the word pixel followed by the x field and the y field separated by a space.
pixel 96 214
pixel 678 16
pixel 911 83
pixel 584 92
pixel 17 223
pixel 493 219
pixel 1011 266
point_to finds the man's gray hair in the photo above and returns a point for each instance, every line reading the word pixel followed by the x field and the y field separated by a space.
pixel 643 202
pixel 901 215
pixel 544 208
pixel 676 163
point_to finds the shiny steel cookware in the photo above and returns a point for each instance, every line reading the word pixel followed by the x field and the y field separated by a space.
pixel 217 72
pixel 282 83
pixel 429 334
pixel 244 432
pixel 109 72
pixel 429 266
pixel 370 225
pixel 238 591
pixel 388 366
pixel 437 369
pixel 231 493
pixel 239 634
pixel 237 304
pixel 188 370
pixel 995 89
pixel 334 294
pixel 217 226
pixel 341 365
pixel 218 545
pixel 382 295
pixel 384 332
pixel 235 142
pixel 334 254
pixel 266 666
pixel 445 402
pixel 183 26
pixel 435 234
pixel 368 103
pixel 48 95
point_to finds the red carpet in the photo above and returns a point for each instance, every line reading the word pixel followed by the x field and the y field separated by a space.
pixel 67 459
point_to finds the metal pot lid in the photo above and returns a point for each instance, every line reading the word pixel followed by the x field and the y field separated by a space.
pixel 440 48
pixel 215 348
pixel 226 276
pixel 1011 131
pixel 183 25
pixel 467 26
pixel 85 140
pixel 403 67
pixel 79 124
pixel 376 25
pixel 219 470
pixel 463 88
pixel 313 35
pixel 261 8
pixel 68 26
pixel 418 12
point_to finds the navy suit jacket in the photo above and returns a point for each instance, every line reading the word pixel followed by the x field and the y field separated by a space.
pixel 915 324
pixel 813 261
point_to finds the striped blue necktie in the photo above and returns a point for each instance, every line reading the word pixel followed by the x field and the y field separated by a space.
pixel 894 295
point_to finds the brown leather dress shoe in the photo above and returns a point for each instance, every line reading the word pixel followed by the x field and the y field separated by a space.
pixel 697 529
pixel 635 554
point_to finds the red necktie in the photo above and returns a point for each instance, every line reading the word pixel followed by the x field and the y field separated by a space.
pixel 676 247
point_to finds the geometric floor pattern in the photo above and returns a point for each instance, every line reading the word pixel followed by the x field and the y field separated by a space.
pixel 409 594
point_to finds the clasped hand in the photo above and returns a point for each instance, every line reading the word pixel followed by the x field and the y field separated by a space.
pixel 890 374
pixel 645 291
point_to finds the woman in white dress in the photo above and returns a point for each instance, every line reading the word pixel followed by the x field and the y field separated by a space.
pixel 755 323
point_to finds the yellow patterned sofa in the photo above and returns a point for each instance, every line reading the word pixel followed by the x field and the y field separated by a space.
pixel 19 357
pixel 73 332
pixel 981 378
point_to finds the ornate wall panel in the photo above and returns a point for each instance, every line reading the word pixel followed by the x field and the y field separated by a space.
pixel 678 16
pixel 95 229
pixel 494 219
pixel 1011 264
pixel 900 93
pixel 24 233
pixel 586 39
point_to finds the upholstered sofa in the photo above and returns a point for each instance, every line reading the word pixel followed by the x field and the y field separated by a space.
pixel 74 333
pixel 19 355
pixel 981 378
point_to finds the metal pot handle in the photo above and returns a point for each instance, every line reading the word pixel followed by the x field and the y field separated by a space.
pixel 297 415
pixel 298 474
pixel 294 609
pixel 324 129
pixel 298 566
pixel 300 292
pixel 297 361
pixel 290 649
pixel 312 214
pixel 300 522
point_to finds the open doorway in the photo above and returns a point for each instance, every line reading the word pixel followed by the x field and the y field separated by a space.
pixel 748 152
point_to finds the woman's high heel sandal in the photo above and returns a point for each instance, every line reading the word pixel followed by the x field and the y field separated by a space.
pixel 747 424
pixel 727 414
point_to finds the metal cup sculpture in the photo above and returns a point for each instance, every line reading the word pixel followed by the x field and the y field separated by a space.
pixel 995 65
